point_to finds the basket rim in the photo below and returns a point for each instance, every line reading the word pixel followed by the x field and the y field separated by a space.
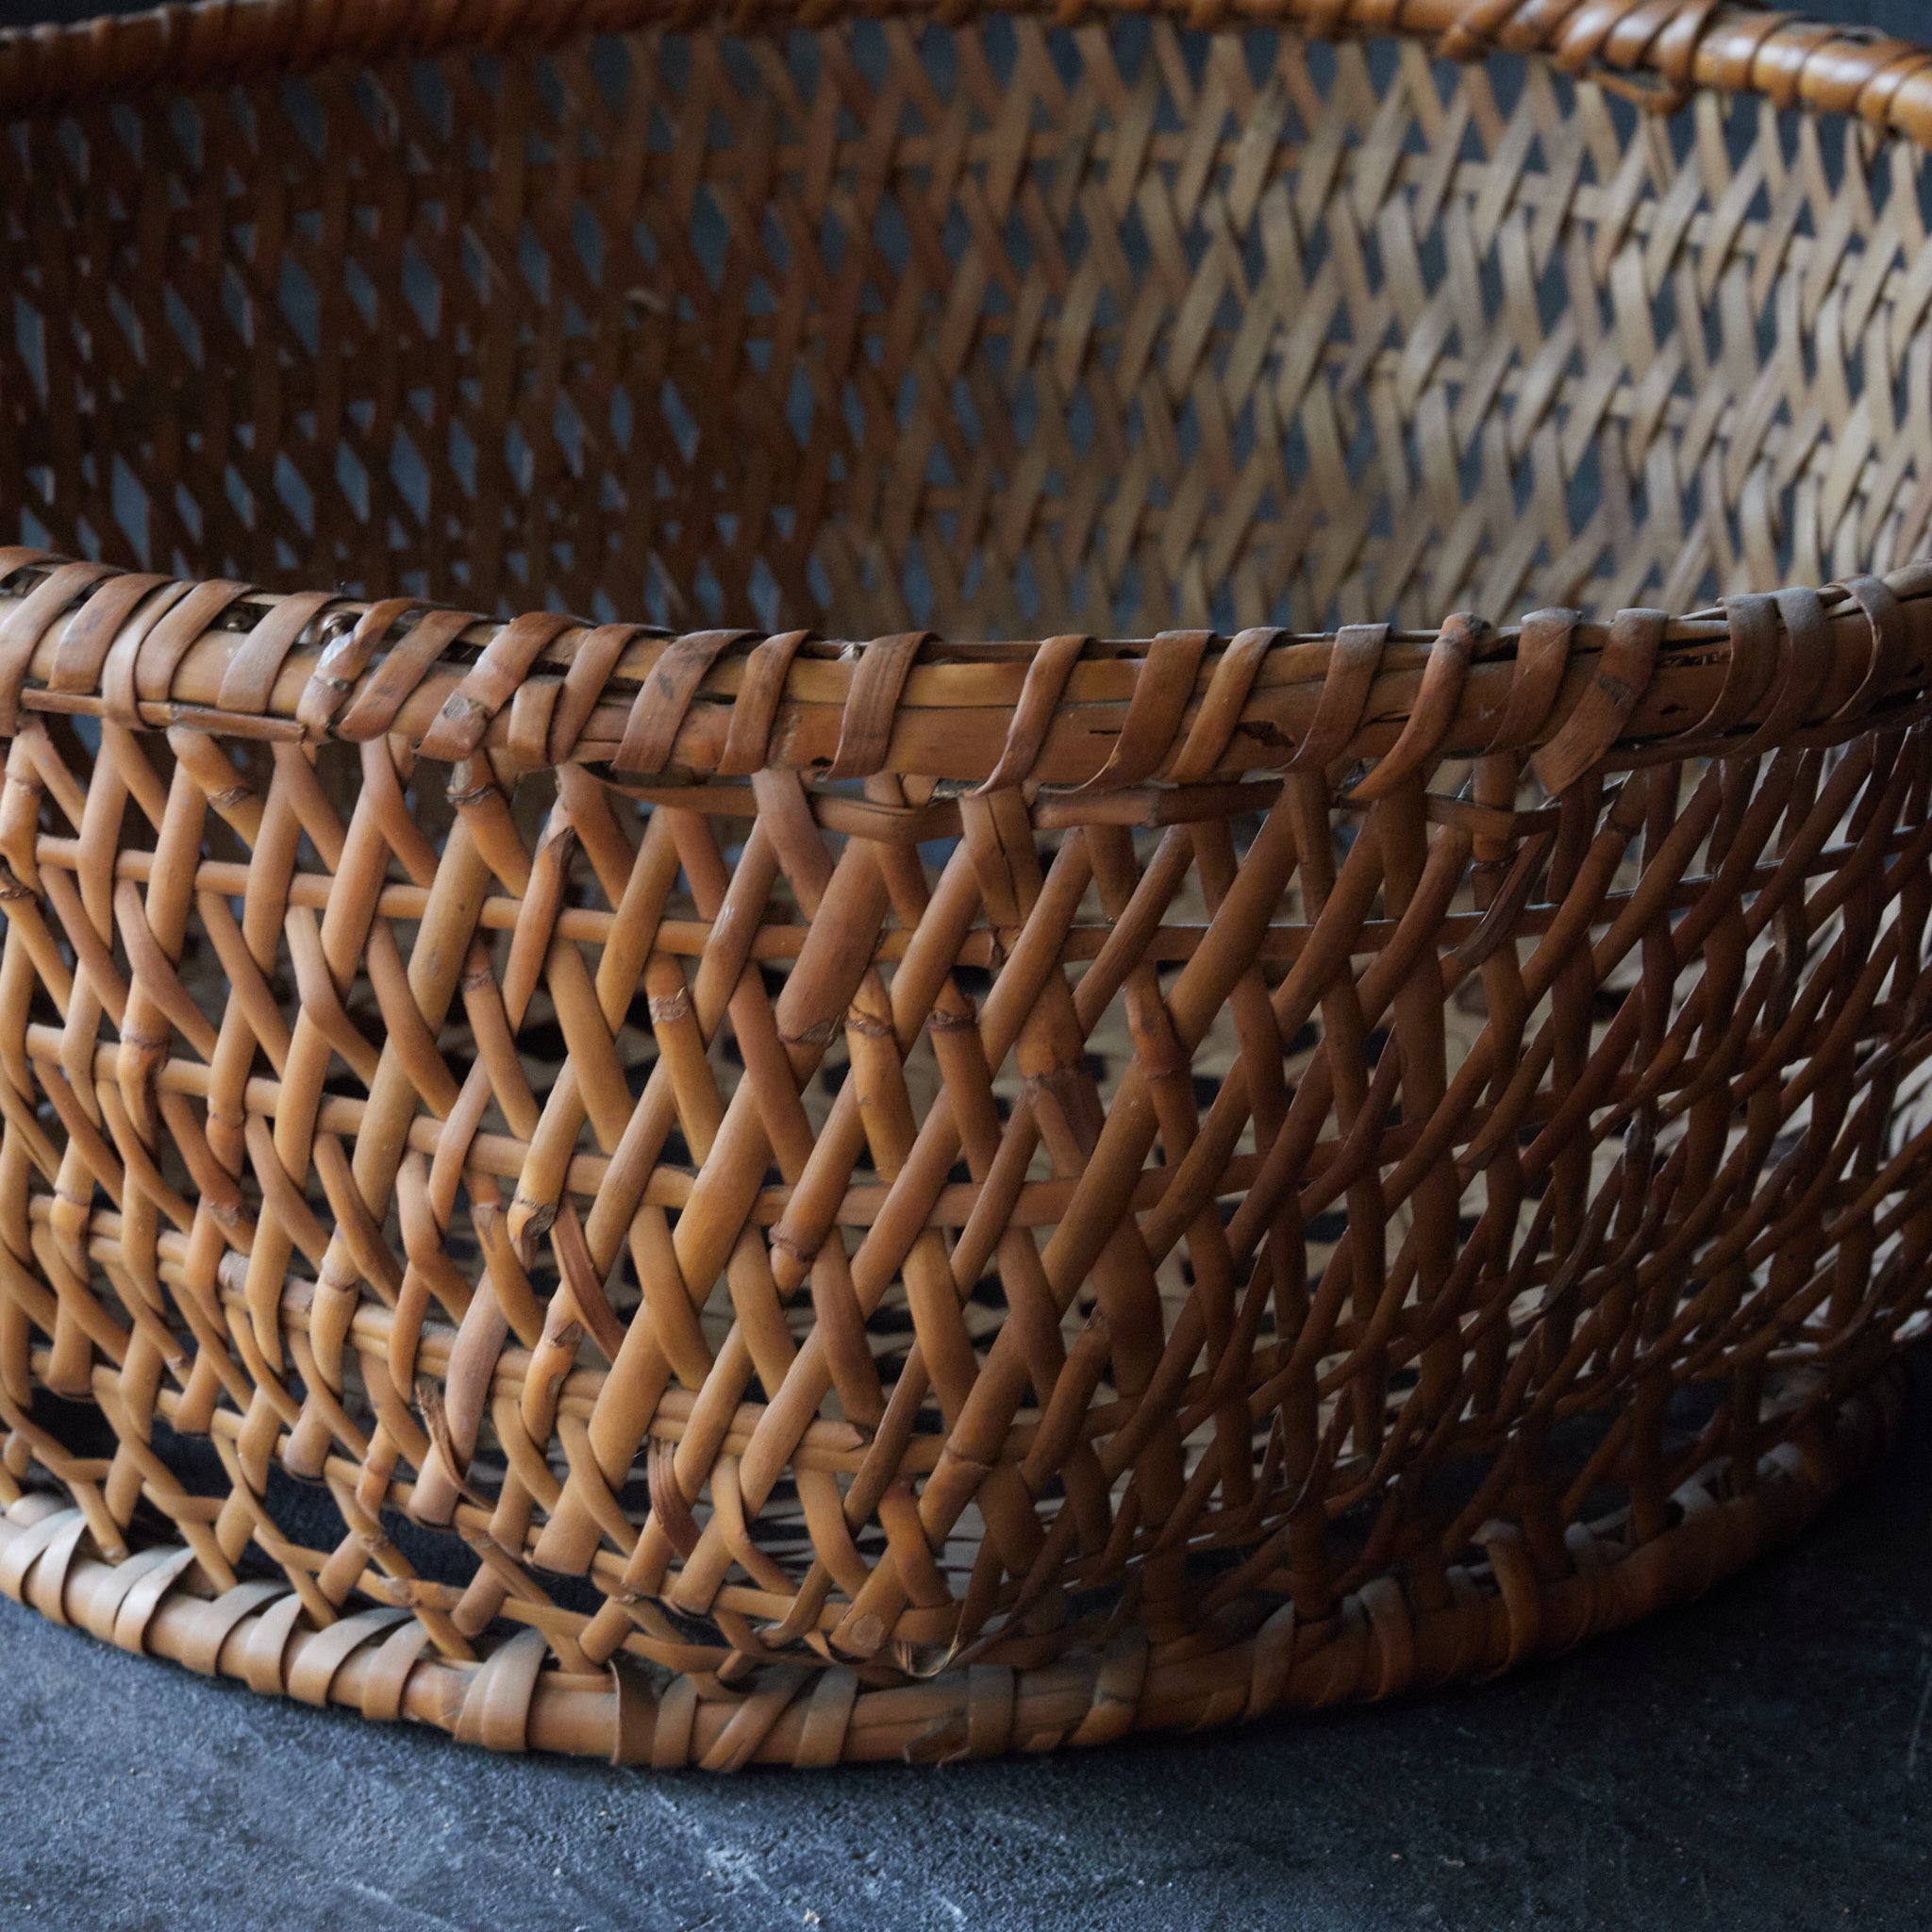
pixel 1659 51
pixel 1139 732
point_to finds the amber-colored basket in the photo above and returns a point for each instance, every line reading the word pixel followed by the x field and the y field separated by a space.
pixel 653 1183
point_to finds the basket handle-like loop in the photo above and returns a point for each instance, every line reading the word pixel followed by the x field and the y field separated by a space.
pixel 375 707
pixel 1613 42
pixel 1485 24
pixel 89 635
pixel 593 658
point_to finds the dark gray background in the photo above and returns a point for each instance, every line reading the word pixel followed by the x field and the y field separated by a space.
pixel 1760 1761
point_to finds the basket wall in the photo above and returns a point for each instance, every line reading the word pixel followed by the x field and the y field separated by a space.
pixel 707 1195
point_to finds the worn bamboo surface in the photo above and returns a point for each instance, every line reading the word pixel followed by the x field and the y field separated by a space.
pixel 1012 1094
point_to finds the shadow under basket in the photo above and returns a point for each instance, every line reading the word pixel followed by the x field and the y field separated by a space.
pixel 655 1183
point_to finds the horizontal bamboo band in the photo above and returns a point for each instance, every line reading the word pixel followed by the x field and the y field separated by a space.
pixel 954 714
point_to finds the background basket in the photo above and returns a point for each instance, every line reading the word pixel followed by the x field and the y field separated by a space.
pixel 703 1195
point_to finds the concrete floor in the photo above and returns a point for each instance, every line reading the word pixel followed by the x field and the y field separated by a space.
pixel 1761 1761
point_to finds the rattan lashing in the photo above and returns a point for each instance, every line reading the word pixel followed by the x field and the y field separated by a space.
pixel 707 1195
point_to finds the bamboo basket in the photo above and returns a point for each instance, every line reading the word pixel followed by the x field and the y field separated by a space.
pixel 586 1163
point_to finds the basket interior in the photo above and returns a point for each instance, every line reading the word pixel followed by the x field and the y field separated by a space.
pixel 1000 331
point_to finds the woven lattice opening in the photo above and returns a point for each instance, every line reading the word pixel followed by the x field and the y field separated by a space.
pixel 624 1131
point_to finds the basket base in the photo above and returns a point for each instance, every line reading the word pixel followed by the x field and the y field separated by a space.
pixel 380 1663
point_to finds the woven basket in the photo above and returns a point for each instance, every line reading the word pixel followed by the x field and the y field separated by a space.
pixel 706 1195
